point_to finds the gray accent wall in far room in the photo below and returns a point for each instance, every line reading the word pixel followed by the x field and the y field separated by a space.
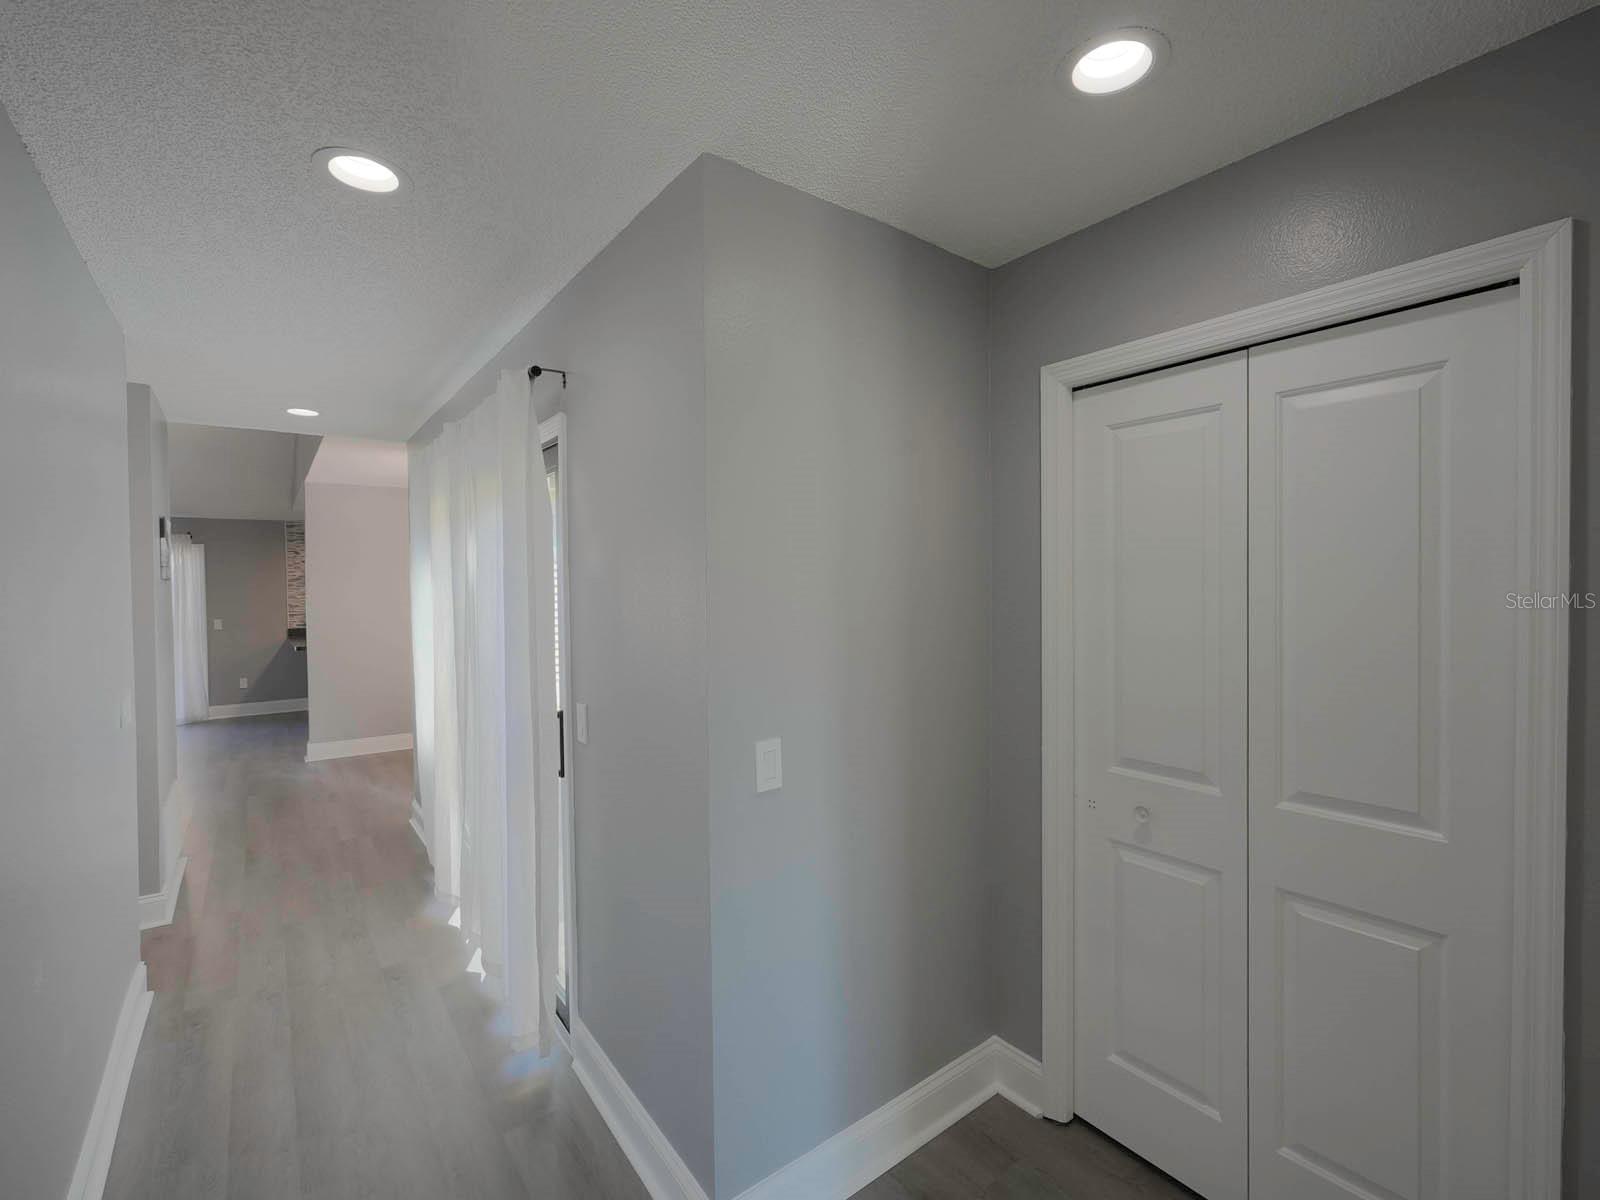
pixel 247 587
pixel 630 330
pixel 155 705
pixel 1500 144
pixel 69 878
pixel 848 504
pixel 358 612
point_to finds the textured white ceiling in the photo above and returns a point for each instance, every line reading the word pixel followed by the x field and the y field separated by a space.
pixel 176 137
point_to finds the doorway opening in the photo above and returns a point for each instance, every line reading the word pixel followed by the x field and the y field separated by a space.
pixel 552 436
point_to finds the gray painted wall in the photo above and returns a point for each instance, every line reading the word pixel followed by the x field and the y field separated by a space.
pixel 305 452
pixel 240 474
pixel 69 938
pixel 778 496
pixel 247 586
pixel 848 503
pixel 1500 144
pixel 155 720
pixel 630 328
pixel 358 612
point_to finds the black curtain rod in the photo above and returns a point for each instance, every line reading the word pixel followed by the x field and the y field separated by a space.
pixel 536 370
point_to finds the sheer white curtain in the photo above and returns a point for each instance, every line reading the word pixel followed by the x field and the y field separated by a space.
pixel 438 769
pixel 483 638
pixel 189 658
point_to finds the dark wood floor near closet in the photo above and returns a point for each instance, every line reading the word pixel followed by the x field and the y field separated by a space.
pixel 998 1152
pixel 314 1032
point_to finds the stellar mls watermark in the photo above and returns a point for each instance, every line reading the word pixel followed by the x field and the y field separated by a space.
pixel 1546 600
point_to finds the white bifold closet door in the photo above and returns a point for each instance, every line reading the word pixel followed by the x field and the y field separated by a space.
pixel 1383 684
pixel 1160 667
pixel 1294 759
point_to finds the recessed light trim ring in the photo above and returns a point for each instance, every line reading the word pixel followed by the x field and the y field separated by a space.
pixel 360 171
pixel 1113 61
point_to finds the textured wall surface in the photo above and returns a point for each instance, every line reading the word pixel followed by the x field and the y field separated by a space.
pixel 1501 144
pixel 246 586
pixel 847 494
pixel 69 935
pixel 358 611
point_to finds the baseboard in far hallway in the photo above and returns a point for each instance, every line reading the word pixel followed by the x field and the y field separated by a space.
pixel 156 910
pixel 100 1138
pixel 258 708
pixel 846 1162
pixel 355 747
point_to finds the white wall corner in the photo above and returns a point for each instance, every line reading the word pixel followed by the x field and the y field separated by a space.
pixel 158 909
pixel 1018 1077
pixel 854 1157
pixel 665 1175
pixel 100 1138
pixel 846 1162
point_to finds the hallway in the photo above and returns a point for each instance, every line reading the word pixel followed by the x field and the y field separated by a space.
pixel 315 1031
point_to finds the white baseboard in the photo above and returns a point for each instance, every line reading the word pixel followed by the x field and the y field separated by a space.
pixel 157 910
pixel 355 747
pixel 846 1162
pixel 259 708
pixel 100 1138
pixel 854 1157
pixel 1018 1077
pixel 665 1175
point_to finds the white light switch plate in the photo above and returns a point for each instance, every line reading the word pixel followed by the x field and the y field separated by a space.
pixel 583 724
pixel 216 622
pixel 243 682
pixel 769 765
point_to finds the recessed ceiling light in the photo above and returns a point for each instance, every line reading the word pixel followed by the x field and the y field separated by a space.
pixel 357 170
pixel 302 412
pixel 1115 61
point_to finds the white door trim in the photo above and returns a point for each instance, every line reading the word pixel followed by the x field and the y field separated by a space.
pixel 1540 260
pixel 554 432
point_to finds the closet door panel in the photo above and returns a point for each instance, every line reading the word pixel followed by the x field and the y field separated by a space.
pixel 1159 545
pixel 1382 689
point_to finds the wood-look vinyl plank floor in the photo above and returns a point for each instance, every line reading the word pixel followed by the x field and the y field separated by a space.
pixel 998 1152
pixel 315 1032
